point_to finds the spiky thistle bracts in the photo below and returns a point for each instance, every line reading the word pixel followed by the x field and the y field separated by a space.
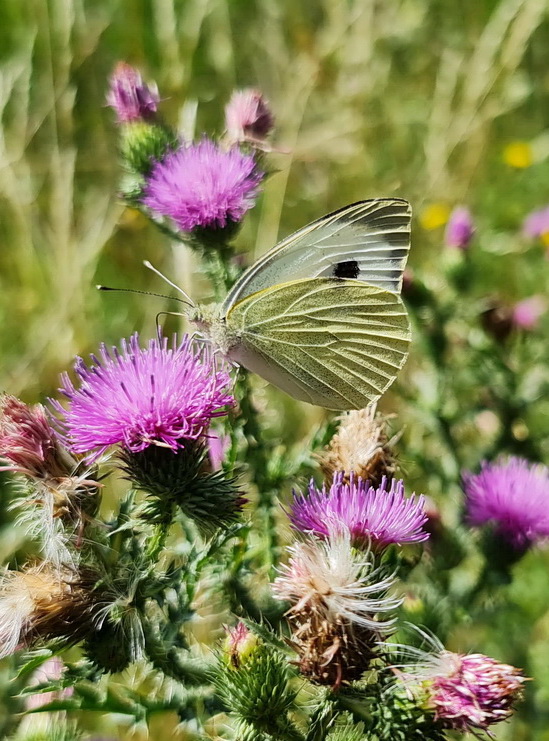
pixel 182 479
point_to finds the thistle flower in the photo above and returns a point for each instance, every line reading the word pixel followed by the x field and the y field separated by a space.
pixel 130 97
pixel 203 186
pixel 44 602
pixel 361 446
pixel 377 516
pixel 466 692
pixel 460 228
pixel 527 313
pixel 28 443
pixel 512 495
pixel 137 397
pixel 339 607
pixel 248 117
pixel 64 493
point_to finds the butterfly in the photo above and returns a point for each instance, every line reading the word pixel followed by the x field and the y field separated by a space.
pixel 320 315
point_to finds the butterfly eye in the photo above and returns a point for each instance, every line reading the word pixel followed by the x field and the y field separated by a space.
pixel 347 269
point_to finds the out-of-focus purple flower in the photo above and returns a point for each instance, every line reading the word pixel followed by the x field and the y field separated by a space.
pixel 51 669
pixel 513 495
pixel 217 447
pixel 130 97
pixel 201 185
pixel 248 116
pixel 527 313
pixel 468 692
pixel 373 516
pixel 28 444
pixel 157 395
pixel 536 224
pixel 460 228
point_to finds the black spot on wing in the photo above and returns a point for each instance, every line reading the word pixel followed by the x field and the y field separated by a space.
pixel 346 269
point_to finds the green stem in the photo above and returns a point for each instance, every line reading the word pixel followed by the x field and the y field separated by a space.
pixel 258 461
pixel 167 659
pixel 158 538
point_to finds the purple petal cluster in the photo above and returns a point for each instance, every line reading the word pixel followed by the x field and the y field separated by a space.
pixel 513 495
pixel 536 224
pixel 157 395
pixel 379 517
pixel 528 312
pixel 130 97
pixel 460 228
pixel 248 116
pixel 201 185
pixel 28 443
pixel 473 691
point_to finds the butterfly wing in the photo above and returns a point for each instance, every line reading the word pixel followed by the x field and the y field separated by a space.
pixel 338 344
pixel 367 241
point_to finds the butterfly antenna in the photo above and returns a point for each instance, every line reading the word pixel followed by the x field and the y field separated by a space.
pixel 147 264
pixel 144 293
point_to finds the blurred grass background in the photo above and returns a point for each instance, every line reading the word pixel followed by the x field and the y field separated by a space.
pixel 437 102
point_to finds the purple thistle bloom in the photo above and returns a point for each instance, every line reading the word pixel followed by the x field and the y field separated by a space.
pixel 130 97
pixel 378 517
pixel 137 397
pixel 513 495
pixel 460 228
pixel 201 185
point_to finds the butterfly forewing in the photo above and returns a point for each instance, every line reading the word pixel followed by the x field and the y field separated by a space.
pixel 335 343
pixel 366 241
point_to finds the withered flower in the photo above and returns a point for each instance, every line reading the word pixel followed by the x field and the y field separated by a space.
pixel 361 446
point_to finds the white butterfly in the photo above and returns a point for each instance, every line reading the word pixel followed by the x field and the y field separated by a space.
pixel 320 315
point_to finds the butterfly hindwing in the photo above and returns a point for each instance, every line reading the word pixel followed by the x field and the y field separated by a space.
pixel 366 241
pixel 336 343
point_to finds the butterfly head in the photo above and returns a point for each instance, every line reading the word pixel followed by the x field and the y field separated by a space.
pixel 212 325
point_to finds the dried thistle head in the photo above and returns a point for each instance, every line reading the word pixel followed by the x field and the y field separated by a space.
pixel 340 607
pixel 361 446
pixel 44 602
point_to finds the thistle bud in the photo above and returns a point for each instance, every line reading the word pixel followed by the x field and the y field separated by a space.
pixel 248 117
pixel 258 691
pixel 130 97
